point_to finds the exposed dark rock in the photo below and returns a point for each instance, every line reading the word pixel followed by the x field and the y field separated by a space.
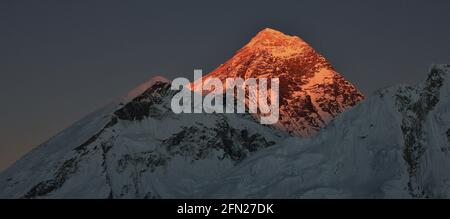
pixel 144 161
pixel 414 114
pixel 198 141
pixel 141 106
pixel 60 176
pixel 448 136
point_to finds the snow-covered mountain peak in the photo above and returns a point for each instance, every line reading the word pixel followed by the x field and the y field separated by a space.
pixel 311 91
pixel 142 88
pixel 277 43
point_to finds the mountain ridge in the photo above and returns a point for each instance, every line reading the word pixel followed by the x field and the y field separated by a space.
pixel 383 147
pixel 395 143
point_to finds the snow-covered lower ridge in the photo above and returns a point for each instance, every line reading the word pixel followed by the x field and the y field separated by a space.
pixel 394 144
pixel 137 149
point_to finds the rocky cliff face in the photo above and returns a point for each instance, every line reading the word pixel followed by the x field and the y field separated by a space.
pixel 311 91
pixel 416 105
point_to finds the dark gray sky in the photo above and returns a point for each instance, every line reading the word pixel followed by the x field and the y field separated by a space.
pixel 60 60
